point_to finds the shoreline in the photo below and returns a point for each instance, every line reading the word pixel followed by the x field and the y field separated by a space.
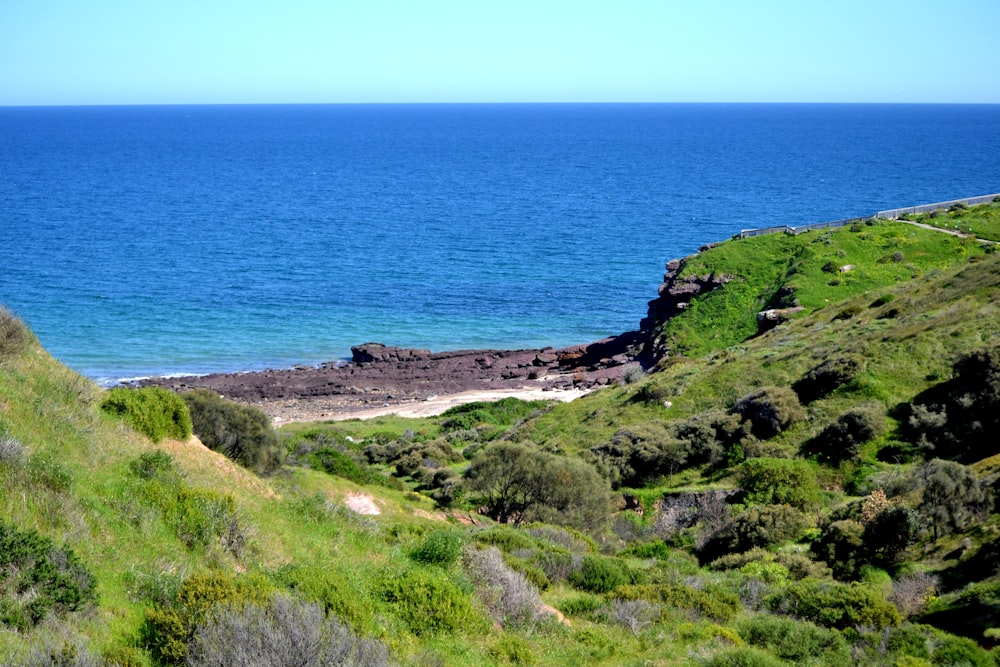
pixel 381 379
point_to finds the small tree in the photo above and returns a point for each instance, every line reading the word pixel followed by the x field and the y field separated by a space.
pixel 952 495
pixel 518 484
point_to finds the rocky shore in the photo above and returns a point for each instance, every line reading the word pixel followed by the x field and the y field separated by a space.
pixel 381 378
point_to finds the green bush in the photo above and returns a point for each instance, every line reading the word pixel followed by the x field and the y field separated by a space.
pixel 37 577
pixel 441 547
pixel 825 378
pixel 505 538
pixel 767 525
pixel 499 414
pixel 241 432
pixel 839 606
pixel 331 588
pixel 952 650
pixel 153 411
pixel 581 604
pixel 841 545
pixel 958 419
pixel 517 484
pixel 167 629
pixel 641 454
pixel 712 601
pixel 600 574
pixel 744 656
pixel 842 439
pixel 778 482
pixel 770 410
pixel 153 464
pixel 799 642
pixel 427 601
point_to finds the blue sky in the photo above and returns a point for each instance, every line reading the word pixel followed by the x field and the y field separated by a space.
pixel 228 51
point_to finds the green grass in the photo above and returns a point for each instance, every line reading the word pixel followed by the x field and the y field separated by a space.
pixel 878 255
pixel 75 482
pixel 981 221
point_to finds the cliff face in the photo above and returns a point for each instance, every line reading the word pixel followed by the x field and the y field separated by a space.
pixel 674 295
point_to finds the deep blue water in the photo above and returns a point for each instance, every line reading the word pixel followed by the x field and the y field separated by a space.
pixel 154 240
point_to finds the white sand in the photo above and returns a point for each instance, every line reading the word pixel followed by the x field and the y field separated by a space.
pixel 437 405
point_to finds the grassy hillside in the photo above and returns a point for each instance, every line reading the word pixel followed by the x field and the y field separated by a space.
pixel 758 500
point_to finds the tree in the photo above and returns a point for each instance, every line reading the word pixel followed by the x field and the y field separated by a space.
pixel 952 495
pixel 518 484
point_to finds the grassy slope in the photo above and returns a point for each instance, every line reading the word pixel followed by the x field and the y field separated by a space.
pixel 294 519
pixel 940 315
pixel 952 306
pixel 982 221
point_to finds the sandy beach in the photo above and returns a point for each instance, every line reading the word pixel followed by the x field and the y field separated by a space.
pixel 284 412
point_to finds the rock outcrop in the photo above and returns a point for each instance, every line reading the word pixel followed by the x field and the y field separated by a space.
pixel 675 294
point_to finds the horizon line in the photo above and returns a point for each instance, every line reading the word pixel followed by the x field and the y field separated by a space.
pixel 482 103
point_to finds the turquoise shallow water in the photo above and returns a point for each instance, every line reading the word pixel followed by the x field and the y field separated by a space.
pixel 156 240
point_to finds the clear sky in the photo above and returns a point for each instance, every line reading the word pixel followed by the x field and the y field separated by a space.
pixel 267 51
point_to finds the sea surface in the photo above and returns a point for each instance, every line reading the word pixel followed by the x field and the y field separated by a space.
pixel 157 240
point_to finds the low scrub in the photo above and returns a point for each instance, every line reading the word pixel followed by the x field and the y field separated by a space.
pixel 283 632
pixel 36 578
pixel 153 411
pixel 427 601
pixel 241 432
pixel 510 598
pixel 14 334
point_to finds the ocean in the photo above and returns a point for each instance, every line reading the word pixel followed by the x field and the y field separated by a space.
pixel 160 240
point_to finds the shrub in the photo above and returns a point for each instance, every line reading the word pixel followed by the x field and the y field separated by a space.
pixel 799 642
pixel 167 629
pixel 842 439
pixel 427 601
pixel 743 656
pixel 952 495
pixel 839 606
pixel 513 650
pixel 634 615
pixel 508 595
pixel 282 632
pixel 770 410
pixel 953 650
pixel 153 411
pixel 711 601
pixel 912 592
pixel 825 378
pixel 767 525
pixel 37 577
pixel 331 587
pixel 641 454
pixel 958 419
pixel 890 532
pixel 778 482
pixel 506 538
pixel 600 574
pixel 633 373
pixel 153 464
pixel 14 334
pixel 12 452
pixel 441 547
pixel 517 484
pixel 241 432
pixel 581 604
pixel 841 545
